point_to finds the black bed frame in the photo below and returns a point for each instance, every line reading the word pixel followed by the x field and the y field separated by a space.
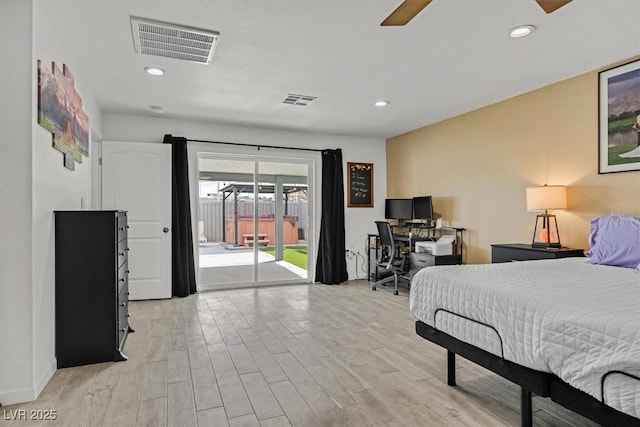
pixel 531 381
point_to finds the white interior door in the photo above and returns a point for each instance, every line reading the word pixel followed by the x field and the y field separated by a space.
pixel 136 177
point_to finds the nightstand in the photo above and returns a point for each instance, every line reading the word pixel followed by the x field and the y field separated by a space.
pixel 522 252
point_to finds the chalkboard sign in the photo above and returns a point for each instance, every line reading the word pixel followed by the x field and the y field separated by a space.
pixel 360 185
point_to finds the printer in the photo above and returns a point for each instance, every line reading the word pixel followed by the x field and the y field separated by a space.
pixel 443 246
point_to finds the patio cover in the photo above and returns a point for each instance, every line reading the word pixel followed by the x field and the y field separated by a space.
pixel 239 187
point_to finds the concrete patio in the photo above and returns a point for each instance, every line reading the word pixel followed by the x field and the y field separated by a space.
pixel 221 267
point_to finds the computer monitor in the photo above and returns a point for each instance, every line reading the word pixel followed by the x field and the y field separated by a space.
pixel 400 209
pixel 423 208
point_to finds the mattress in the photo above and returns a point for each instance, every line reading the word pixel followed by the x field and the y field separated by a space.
pixel 574 319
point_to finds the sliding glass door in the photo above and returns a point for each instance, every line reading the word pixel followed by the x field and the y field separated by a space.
pixel 253 221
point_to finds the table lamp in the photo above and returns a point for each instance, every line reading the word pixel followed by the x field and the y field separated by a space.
pixel 546 198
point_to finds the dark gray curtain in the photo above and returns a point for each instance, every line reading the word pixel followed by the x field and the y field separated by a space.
pixel 183 266
pixel 331 265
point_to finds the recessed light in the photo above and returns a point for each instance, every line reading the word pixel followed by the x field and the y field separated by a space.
pixel 521 31
pixel 154 71
pixel 156 109
pixel 381 103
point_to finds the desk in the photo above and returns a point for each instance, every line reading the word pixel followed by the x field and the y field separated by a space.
pixel 416 260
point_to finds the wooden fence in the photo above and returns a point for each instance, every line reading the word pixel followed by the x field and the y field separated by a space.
pixel 210 215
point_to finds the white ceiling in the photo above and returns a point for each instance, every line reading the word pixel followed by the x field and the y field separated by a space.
pixel 453 57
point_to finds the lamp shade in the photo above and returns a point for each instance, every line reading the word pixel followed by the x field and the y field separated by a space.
pixel 549 197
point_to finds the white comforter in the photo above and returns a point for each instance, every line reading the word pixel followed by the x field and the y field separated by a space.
pixel 565 316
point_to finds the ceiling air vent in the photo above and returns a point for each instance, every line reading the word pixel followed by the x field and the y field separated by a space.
pixel 300 100
pixel 173 41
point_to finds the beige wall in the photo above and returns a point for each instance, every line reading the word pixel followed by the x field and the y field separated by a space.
pixel 478 165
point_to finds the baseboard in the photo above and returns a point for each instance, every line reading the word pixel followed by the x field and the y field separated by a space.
pixel 28 394
pixel 42 382
pixel 19 395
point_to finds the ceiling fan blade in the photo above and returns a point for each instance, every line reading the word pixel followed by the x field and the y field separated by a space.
pixel 552 5
pixel 405 12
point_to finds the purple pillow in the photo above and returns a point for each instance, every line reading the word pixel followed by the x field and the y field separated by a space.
pixel 615 240
pixel 595 227
pixel 595 230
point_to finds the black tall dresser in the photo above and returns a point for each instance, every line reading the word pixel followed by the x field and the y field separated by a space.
pixel 92 290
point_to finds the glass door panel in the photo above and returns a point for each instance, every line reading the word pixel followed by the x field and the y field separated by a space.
pixel 225 222
pixel 283 218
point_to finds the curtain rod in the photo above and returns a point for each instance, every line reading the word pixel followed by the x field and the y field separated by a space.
pixel 259 146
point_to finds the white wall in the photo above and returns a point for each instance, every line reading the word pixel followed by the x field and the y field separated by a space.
pixel 16 373
pixel 54 188
pixel 358 221
pixel 33 183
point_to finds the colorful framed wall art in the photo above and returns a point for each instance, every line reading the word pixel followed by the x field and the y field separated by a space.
pixel 60 112
pixel 619 119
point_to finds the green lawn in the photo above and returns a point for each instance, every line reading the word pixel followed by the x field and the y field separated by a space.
pixel 619 149
pixel 621 125
pixel 296 255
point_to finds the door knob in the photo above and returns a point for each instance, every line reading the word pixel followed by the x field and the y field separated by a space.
pixel 166 229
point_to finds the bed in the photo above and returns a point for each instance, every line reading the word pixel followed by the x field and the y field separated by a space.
pixel 564 328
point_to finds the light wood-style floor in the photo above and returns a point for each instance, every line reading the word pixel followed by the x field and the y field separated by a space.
pixel 301 355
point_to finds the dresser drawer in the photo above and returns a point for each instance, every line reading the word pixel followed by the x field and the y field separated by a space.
pixel 123 227
pixel 123 276
pixel 123 252
pixel 421 260
pixel 123 313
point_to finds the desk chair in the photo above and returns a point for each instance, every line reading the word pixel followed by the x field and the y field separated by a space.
pixel 388 259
